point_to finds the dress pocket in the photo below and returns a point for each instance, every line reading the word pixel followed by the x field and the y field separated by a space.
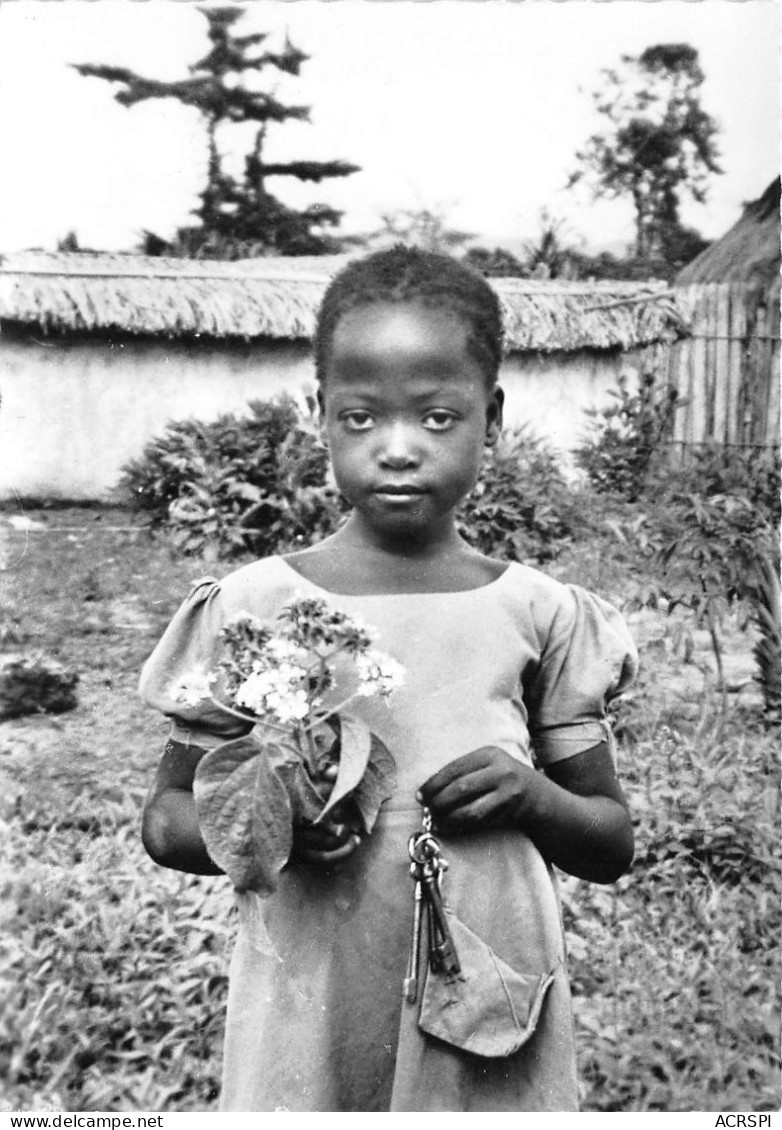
pixel 488 1008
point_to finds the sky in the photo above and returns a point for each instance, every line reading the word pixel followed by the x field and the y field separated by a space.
pixel 474 108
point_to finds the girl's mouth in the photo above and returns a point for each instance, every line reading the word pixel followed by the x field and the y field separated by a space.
pixel 399 494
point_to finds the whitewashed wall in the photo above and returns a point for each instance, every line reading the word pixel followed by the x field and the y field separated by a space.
pixel 550 393
pixel 72 413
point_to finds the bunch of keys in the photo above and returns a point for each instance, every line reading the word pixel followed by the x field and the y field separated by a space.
pixel 426 869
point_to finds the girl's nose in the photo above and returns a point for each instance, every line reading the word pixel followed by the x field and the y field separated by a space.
pixel 399 447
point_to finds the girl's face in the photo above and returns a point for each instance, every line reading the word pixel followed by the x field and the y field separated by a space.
pixel 407 415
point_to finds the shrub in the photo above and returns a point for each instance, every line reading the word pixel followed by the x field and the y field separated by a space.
pixel 627 434
pixel 705 548
pixel 716 469
pixel 522 507
pixel 713 537
pixel 254 483
pixel 189 448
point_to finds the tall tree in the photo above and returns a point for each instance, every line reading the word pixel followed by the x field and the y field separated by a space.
pixel 237 217
pixel 658 143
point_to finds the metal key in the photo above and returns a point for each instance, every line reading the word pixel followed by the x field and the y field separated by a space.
pixel 425 852
pixel 410 985
pixel 442 951
pixel 433 956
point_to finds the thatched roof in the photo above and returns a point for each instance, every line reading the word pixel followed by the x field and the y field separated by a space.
pixel 278 298
pixel 748 253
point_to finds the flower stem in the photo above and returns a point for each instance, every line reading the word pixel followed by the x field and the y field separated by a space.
pixel 312 759
pixel 328 713
pixel 249 717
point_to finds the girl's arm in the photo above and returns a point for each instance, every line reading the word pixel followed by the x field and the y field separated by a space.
pixel 576 813
pixel 169 827
pixel 172 837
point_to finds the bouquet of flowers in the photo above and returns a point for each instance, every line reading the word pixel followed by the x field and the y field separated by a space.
pixel 303 758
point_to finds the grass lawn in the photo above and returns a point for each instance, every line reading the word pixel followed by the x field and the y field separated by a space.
pixel 116 969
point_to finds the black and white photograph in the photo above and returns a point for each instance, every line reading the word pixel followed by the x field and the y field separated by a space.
pixel 389 559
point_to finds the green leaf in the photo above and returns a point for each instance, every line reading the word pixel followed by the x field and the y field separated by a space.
pixel 245 811
pixel 250 793
pixel 377 784
pixel 355 742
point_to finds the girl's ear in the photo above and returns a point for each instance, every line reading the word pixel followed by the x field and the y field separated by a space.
pixel 494 416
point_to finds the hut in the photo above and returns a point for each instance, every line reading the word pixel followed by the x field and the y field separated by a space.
pixel 98 352
pixel 727 371
pixel 748 254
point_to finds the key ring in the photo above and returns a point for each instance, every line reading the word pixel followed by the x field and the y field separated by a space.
pixel 423 848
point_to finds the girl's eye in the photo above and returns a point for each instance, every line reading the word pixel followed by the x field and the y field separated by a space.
pixel 439 420
pixel 357 420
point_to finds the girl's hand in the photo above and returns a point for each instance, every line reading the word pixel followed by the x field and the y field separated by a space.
pixel 324 844
pixel 329 841
pixel 575 813
pixel 486 788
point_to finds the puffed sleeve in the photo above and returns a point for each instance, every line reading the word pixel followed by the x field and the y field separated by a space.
pixel 588 658
pixel 191 645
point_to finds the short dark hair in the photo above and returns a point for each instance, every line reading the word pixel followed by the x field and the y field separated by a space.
pixel 409 274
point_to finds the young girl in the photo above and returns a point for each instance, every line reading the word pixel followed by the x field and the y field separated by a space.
pixel 499 730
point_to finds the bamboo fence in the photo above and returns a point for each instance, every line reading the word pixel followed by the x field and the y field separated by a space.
pixel 726 371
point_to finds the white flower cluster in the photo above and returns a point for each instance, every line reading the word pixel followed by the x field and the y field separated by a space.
pixel 280 691
pixel 193 688
pixel 378 673
pixel 282 672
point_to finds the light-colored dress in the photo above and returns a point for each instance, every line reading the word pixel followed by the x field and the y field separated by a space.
pixel 315 1018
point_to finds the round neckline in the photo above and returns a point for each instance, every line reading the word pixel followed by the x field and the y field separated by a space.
pixel 393 595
